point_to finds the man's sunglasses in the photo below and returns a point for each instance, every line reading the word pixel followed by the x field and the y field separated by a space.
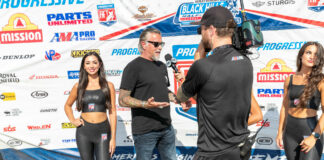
pixel 156 44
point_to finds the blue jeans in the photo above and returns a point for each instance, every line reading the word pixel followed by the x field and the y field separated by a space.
pixel 164 140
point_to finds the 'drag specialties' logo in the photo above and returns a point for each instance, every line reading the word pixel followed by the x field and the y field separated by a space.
pixel 107 14
pixel 51 55
pixel 74 36
pixel 276 70
pixel 315 5
pixel 20 30
pixel 74 18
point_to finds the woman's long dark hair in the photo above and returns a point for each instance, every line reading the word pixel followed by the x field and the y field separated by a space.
pixel 316 74
pixel 83 82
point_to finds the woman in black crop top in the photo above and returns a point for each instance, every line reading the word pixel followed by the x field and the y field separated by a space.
pixel 95 135
pixel 300 131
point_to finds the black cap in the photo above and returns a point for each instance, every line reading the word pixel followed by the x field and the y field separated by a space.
pixel 216 16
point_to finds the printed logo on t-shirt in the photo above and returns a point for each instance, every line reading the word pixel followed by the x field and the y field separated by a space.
pixel 104 136
pixel 296 101
pixel 91 106
pixel 237 58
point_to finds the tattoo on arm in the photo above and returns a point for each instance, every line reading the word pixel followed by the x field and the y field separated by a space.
pixel 180 96
pixel 173 97
pixel 125 100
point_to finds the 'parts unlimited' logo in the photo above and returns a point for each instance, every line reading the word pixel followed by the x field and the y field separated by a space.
pixel 74 18
pixel 276 70
pixel 20 30
pixel 107 14
pixel 266 92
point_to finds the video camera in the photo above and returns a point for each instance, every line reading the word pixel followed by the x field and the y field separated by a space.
pixel 248 34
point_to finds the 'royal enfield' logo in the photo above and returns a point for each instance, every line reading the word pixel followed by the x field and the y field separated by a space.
pixel 14 142
pixel 20 30
pixel 39 94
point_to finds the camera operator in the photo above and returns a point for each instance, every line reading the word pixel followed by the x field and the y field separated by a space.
pixel 223 85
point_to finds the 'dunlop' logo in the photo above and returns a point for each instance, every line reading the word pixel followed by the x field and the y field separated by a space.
pixel 20 30
pixel 276 70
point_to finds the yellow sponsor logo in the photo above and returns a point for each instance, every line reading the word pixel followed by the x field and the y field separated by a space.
pixel 276 70
pixel 20 30
pixel 276 65
pixel 81 53
pixel 68 125
pixel 9 96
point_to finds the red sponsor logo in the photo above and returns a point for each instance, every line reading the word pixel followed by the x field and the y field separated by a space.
pixel 20 30
pixel 43 77
pixel 276 70
pixel 9 129
pixel 266 124
pixel 45 126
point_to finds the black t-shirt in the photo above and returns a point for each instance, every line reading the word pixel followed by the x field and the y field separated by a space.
pixel 223 84
pixel 147 79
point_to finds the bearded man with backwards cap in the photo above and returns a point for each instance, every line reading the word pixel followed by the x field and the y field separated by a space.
pixel 222 83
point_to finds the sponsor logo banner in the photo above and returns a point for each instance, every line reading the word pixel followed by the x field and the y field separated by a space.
pixel 43 77
pixel 266 92
pixel 8 78
pixel 14 142
pixel 20 30
pixel 36 3
pixel 52 55
pixel 48 110
pixel 144 16
pixel 125 51
pixel 68 140
pixel 44 141
pixel 68 125
pixel 81 53
pixel 73 18
pixel 12 112
pixel 14 57
pixel 114 72
pixel 74 36
pixel 276 70
pixel 9 129
pixel 107 14
pixel 40 127
pixel 264 140
pixel 39 94
pixel 277 46
pixel 192 12
pixel 73 74
pixel 8 96
pixel 315 5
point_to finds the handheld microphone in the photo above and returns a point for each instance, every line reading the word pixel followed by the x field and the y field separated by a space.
pixel 171 62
